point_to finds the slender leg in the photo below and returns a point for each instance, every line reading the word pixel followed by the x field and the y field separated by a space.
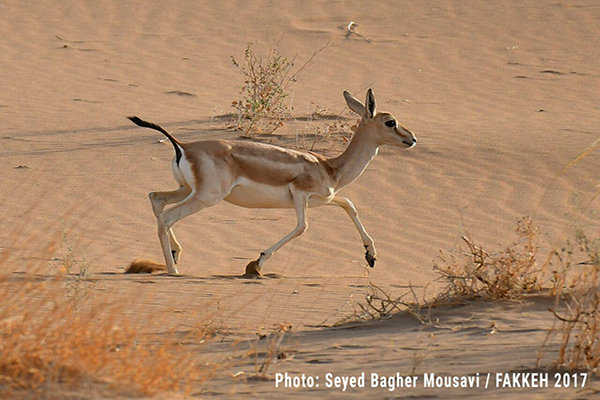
pixel 165 220
pixel 348 206
pixel 300 205
pixel 159 200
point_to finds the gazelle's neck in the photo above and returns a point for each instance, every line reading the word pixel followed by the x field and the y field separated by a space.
pixel 353 161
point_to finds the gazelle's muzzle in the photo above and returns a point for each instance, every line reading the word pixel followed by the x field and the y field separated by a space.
pixel 408 138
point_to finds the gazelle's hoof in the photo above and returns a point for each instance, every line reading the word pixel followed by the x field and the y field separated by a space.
pixel 370 259
pixel 252 269
pixel 174 271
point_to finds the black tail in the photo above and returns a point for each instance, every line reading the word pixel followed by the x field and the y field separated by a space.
pixel 174 142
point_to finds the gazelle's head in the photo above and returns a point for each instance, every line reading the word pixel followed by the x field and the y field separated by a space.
pixel 383 126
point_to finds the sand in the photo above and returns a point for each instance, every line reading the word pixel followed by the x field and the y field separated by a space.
pixel 501 95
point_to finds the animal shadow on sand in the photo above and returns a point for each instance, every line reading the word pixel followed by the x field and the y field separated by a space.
pixel 142 266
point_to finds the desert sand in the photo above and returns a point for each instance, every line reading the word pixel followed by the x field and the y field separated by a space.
pixel 502 95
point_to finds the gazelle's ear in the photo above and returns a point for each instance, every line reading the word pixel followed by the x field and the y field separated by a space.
pixel 370 104
pixel 354 104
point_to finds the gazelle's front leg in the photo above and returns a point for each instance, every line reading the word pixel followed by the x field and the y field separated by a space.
pixel 348 206
pixel 300 199
pixel 159 200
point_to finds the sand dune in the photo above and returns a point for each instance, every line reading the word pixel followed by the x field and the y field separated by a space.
pixel 501 95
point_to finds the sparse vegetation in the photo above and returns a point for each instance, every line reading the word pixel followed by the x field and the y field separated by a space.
pixel 52 338
pixel 508 274
pixel 266 350
pixel 264 99
pixel 577 308
pixel 74 270
pixel 329 127
pixel 505 274
pixel 472 274
pixel 262 104
pixel 574 282
pixel 379 304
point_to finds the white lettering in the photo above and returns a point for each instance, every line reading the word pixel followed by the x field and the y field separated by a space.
pixel 344 382
pixel 289 381
pixel 522 380
pixel 431 380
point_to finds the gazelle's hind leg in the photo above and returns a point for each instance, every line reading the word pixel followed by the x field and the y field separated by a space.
pixel 300 205
pixel 347 205
pixel 159 200
pixel 188 206
pixel 203 197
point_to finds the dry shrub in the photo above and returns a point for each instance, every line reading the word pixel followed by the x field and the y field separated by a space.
pixel 268 349
pixel 337 126
pixel 332 128
pixel 578 304
pixel 273 350
pixel 506 274
pixel 474 273
pixel 263 105
pixel 380 304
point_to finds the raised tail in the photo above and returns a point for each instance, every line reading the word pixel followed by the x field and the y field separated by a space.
pixel 151 125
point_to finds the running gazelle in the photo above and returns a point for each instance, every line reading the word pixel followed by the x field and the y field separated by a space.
pixel 257 175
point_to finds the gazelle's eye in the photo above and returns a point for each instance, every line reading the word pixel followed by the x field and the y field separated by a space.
pixel 391 123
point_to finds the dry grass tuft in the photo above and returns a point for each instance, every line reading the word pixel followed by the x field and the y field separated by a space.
pixel 328 130
pixel 45 342
pixel 577 308
pixel 48 345
pixel 380 304
pixel 141 266
pixel 506 274
pixel 272 350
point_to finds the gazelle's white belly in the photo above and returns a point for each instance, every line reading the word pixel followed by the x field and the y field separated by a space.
pixel 250 194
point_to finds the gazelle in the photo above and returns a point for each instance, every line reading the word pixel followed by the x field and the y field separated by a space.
pixel 257 175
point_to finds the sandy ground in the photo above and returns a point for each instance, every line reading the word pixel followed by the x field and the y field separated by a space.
pixel 502 96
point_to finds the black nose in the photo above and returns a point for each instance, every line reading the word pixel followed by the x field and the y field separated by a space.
pixel 414 140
